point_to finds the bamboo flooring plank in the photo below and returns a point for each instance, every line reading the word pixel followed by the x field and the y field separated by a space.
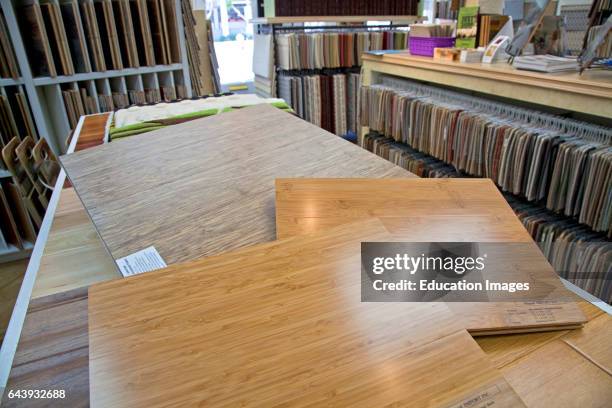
pixel 199 188
pixel 437 210
pixel 279 324
pixel 593 341
pixel 559 375
pixel 93 131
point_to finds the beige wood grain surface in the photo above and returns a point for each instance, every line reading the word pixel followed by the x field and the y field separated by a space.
pixel 279 324
pixel 74 256
pixel 439 210
pixel 207 186
pixel 573 370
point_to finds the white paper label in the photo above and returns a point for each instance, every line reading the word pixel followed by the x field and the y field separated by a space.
pixel 142 261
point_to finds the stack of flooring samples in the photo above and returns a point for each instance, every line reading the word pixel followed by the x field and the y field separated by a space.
pixel 8 62
pixel 32 26
pixel 72 36
pixel 336 8
pixel 327 100
pixel 203 67
pixel 75 33
pixel 15 116
pixel 75 108
pixel 428 210
pixel 335 49
pixel 17 232
pixel 322 347
pixel 57 39
pixel 206 175
pixel 318 71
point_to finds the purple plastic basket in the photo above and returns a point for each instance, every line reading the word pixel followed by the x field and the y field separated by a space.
pixel 425 45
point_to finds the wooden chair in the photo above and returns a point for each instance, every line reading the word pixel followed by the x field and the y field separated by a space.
pixel 28 193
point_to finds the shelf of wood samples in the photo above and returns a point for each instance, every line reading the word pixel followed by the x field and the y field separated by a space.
pixel 71 37
pixel 20 207
pixel 83 57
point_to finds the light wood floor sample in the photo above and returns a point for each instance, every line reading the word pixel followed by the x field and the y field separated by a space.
pixel 280 324
pixel 435 210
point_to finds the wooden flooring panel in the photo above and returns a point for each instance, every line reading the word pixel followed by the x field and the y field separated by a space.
pixel 430 210
pixel 594 341
pixel 93 131
pixel 74 255
pixel 556 376
pixel 279 324
pixel 52 351
pixel 207 186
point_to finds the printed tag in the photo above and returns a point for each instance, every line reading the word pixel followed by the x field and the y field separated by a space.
pixel 482 399
pixel 142 261
pixel 536 313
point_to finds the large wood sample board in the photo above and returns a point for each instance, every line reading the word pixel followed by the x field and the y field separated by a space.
pixel 280 324
pixel 435 210
pixel 206 186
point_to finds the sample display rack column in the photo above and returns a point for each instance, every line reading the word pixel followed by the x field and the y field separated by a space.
pixel 336 57
pixel 71 78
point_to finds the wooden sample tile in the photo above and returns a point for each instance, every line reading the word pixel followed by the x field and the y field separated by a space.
pixel 558 374
pixel 74 255
pixel 434 210
pixel 206 186
pixel 92 133
pixel 279 324
pixel 503 350
pixel 52 352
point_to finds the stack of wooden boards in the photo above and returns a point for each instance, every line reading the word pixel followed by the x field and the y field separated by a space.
pixel 71 37
pixel 8 62
pixel 203 66
pixel 294 300
pixel 327 96
pixel 15 116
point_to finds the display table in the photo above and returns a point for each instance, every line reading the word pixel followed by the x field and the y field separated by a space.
pixel 589 93
pixel 52 353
